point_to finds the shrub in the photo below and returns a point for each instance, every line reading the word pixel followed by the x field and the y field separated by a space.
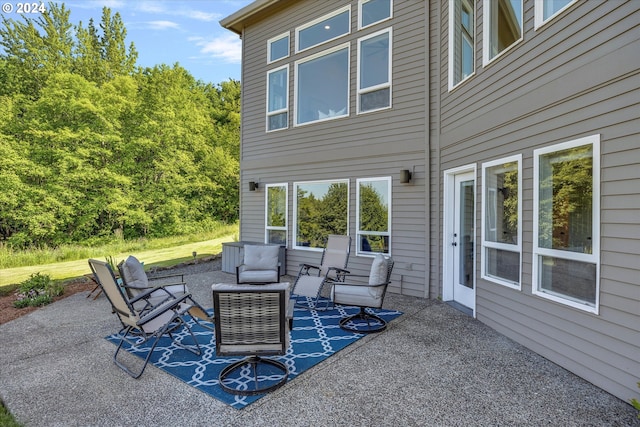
pixel 37 290
pixel 636 403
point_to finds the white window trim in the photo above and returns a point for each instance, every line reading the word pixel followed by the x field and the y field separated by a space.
pixel 286 210
pixel 486 36
pixel 275 39
pixel 282 110
pixel 379 86
pixel 539 20
pixel 452 46
pixel 295 84
pixel 594 257
pixel 497 245
pixel 316 21
pixel 360 3
pixel 295 210
pixel 376 233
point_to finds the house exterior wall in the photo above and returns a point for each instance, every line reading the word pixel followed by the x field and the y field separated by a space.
pixel 375 144
pixel 575 76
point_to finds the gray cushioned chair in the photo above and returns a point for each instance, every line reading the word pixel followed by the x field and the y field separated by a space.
pixel 260 264
pixel 356 290
pixel 312 279
pixel 135 281
pixel 142 321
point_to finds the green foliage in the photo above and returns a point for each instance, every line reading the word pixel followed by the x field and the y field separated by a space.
pixel 37 290
pixel 6 419
pixel 93 148
pixel 636 403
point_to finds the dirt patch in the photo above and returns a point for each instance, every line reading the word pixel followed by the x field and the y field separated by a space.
pixel 8 312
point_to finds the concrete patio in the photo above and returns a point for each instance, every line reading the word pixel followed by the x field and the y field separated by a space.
pixel 433 366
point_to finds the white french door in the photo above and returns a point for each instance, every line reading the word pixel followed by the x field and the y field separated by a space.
pixel 459 237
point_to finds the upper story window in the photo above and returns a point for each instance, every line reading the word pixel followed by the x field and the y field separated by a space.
pixel 374 71
pixel 278 48
pixel 278 98
pixel 324 29
pixel 566 223
pixel 502 26
pixel 374 11
pixel 501 213
pixel 322 86
pixel 373 220
pixel 276 208
pixel 321 208
pixel 461 40
pixel 546 10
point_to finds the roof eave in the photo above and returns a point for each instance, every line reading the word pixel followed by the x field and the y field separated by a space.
pixel 235 22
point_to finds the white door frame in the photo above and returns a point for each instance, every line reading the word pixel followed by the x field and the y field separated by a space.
pixel 447 232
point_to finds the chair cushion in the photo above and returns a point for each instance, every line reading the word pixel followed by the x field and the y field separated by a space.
pixel 258 276
pixel 133 273
pixel 261 257
pixel 379 269
pixel 358 295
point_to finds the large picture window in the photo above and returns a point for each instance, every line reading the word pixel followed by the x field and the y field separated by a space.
pixel 373 216
pixel 278 98
pixel 374 71
pixel 502 26
pixel 321 208
pixel 276 208
pixel 566 223
pixel 501 221
pixel 546 10
pixel 324 29
pixel 374 11
pixel 322 86
pixel 461 40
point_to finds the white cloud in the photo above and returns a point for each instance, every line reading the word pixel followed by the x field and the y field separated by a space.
pixel 162 25
pixel 227 47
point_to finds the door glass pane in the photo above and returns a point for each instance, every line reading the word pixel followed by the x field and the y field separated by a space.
pixel 466 206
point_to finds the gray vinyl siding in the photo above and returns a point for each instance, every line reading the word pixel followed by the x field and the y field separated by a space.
pixel 576 76
pixel 359 146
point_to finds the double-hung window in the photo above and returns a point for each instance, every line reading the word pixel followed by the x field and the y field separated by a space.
pixel 374 71
pixel 320 208
pixel 501 221
pixel 373 11
pixel 566 213
pixel 461 40
pixel 324 29
pixel 276 208
pixel 546 10
pixel 322 86
pixel 278 98
pixel 373 215
pixel 502 27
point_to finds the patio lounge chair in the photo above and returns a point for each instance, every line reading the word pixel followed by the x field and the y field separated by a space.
pixel 147 324
pixel 349 291
pixel 311 279
pixel 260 265
pixel 252 321
pixel 135 281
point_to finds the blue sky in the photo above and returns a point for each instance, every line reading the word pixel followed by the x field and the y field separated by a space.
pixel 169 31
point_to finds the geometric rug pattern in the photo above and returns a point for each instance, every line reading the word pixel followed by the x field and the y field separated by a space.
pixel 316 336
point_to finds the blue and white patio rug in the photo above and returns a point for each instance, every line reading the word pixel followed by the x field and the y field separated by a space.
pixel 316 335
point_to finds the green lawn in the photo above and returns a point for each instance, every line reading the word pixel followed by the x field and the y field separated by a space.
pixel 153 257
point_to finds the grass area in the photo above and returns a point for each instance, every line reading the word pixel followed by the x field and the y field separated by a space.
pixel 6 419
pixel 153 252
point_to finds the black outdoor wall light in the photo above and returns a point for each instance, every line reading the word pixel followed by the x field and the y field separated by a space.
pixel 405 176
pixel 253 186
